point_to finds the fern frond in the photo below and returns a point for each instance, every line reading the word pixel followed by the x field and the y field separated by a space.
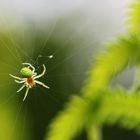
pixel 134 17
pixel 120 54
pixel 117 108
pixel 69 122
pixel 122 109
pixel 74 117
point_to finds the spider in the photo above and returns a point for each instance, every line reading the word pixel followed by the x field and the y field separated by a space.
pixel 29 81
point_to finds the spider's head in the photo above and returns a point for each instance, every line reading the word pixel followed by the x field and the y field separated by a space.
pixel 26 72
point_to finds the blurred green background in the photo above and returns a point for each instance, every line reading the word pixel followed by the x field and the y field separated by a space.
pixel 74 35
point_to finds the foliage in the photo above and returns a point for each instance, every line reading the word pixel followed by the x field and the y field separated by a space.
pixel 134 18
pixel 98 104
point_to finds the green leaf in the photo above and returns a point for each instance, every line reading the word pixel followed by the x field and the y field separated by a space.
pixel 110 109
pixel 69 122
pixel 72 120
pixel 119 55
pixel 134 17
pixel 122 109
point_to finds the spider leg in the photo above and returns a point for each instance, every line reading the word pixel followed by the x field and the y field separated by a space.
pixel 34 75
pixel 28 64
pixel 18 78
pixel 20 82
pixel 42 84
pixel 40 75
pixel 27 90
pixel 21 88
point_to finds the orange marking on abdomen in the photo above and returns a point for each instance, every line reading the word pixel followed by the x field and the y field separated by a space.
pixel 31 82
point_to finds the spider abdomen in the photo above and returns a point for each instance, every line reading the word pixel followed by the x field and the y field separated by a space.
pixel 26 72
pixel 31 82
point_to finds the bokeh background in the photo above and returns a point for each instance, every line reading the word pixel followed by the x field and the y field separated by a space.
pixel 74 32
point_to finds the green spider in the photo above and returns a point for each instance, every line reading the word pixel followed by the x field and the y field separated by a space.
pixel 29 81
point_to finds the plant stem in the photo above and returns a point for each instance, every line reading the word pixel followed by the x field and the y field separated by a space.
pixel 94 133
pixel 136 83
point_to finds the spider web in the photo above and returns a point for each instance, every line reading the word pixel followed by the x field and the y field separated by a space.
pixel 65 71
